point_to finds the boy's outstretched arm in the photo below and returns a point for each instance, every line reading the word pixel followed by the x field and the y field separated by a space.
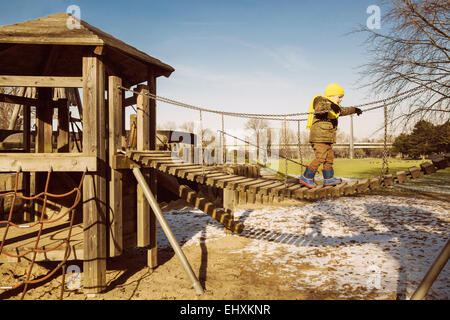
pixel 345 111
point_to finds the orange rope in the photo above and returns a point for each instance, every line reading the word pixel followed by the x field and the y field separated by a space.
pixel 41 223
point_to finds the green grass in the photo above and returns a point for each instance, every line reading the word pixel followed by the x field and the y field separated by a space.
pixel 354 168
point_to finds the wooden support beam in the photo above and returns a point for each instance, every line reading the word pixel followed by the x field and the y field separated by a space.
pixel 94 187
pixel 115 181
pixel 146 140
pixel 28 206
pixel 44 123
pixel 152 110
pixel 31 102
pixel 143 143
pixel 135 154
pixel 42 162
pixel 63 128
pixel 41 81
pixel 78 100
pixel 228 200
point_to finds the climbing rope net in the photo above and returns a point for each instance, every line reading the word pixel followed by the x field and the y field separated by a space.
pixel 8 224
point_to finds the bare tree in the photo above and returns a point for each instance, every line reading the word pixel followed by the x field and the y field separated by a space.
pixel 188 126
pixel 412 50
pixel 7 110
pixel 287 137
pixel 207 136
pixel 169 125
pixel 258 126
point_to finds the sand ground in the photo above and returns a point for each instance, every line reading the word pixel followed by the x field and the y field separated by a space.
pixel 363 247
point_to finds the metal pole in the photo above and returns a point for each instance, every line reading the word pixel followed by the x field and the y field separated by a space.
pixel 224 149
pixel 162 221
pixel 285 153
pixel 432 274
pixel 352 150
pixel 300 156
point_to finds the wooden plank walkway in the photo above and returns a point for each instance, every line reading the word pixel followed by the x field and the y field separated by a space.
pixel 247 190
pixel 264 190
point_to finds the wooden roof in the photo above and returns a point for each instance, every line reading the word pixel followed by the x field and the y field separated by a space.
pixel 53 30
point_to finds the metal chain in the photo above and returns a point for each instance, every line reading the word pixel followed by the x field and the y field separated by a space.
pixel 224 153
pixel 395 99
pixel 385 164
pixel 300 156
pixel 285 153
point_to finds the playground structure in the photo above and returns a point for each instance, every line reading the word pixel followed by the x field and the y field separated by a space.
pixel 45 54
pixel 116 181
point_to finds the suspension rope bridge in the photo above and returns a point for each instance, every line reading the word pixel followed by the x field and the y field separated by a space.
pixel 245 189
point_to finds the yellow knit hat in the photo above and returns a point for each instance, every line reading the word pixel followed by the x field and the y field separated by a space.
pixel 333 89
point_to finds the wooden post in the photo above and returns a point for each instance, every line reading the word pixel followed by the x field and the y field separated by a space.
pixel 63 129
pixel 115 182
pixel 43 143
pixel 94 187
pixel 142 133
pixel 143 143
pixel 152 261
pixel 44 123
pixel 26 175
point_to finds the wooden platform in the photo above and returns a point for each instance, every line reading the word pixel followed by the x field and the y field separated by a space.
pixel 20 240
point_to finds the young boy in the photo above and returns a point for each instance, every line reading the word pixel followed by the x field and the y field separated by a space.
pixel 323 133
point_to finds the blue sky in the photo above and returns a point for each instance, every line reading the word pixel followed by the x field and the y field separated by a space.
pixel 245 56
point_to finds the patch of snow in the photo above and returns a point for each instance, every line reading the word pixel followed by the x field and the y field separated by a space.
pixel 366 244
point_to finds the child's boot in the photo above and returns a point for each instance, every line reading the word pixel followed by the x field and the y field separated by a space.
pixel 329 179
pixel 307 178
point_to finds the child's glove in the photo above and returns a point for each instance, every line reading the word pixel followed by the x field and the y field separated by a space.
pixel 358 111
